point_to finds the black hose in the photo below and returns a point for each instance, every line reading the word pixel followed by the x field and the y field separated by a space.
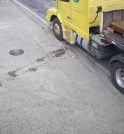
pixel 94 19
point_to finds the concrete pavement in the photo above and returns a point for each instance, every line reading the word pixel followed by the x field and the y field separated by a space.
pixel 47 89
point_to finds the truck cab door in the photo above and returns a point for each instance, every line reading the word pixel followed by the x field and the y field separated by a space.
pixel 64 10
pixel 80 17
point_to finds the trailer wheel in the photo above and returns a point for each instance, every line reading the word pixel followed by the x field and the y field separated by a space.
pixel 117 74
pixel 57 28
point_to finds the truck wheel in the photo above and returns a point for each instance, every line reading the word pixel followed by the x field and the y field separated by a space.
pixel 117 74
pixel 57 28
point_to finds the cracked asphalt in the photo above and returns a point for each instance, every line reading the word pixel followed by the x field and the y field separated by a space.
pixel 48 89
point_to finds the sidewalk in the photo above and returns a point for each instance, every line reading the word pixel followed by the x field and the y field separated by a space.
pixel 47 90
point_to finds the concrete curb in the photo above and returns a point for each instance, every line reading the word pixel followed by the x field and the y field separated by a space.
pixel 28 12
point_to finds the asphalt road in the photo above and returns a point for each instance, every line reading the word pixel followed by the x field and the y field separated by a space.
pixel 38 6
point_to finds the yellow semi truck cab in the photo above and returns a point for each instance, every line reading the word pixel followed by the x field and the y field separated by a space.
pixel 78 15
pixel 88 23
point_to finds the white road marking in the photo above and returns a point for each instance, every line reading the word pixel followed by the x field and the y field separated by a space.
pixel 31 12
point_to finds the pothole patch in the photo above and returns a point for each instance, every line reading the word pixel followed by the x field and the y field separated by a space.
pixel 59 52
pixel 16 52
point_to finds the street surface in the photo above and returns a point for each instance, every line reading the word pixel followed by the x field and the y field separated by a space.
pixel 48 89
pixel 40 7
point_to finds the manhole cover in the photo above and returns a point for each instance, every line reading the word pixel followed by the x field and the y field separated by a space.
pixel 16 52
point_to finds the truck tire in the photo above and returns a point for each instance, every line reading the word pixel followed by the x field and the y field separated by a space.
pixel 57 28
pixel 117 74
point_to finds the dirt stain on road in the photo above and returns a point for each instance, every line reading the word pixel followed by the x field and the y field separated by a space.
pixel 40 59
pixel 0 84
pixel 32 69
pixel 12 74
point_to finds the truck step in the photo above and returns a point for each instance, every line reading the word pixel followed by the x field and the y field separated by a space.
pixel 68 40
pixel 68 33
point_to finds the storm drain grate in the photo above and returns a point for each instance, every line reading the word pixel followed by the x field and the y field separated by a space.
pixel 16 52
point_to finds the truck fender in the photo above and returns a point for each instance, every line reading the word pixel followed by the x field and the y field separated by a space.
pixel 51 11
pixel 53 17
pixel 56 16
pixel 59 17
pixel 51 14
pixel 116 58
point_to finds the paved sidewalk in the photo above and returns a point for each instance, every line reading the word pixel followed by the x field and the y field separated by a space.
pixel 47 90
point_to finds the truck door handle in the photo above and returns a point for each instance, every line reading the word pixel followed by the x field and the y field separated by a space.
pixel 68 17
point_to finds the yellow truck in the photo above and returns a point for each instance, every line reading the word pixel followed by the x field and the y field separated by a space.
pixel 87 23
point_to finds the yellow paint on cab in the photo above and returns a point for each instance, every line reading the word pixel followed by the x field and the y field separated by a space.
pixel 107 5
pixel 77 16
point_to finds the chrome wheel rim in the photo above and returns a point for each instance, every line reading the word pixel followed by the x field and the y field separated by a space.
pixel 120 77
pixel 57 29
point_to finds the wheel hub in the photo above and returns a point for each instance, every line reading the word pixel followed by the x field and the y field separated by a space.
pixel 57 29
pixel 120 77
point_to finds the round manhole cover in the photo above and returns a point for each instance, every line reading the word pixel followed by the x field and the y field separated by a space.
pixel 16 52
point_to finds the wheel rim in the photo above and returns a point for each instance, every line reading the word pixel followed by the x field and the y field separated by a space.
pixel 120 77
pixel 57 29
